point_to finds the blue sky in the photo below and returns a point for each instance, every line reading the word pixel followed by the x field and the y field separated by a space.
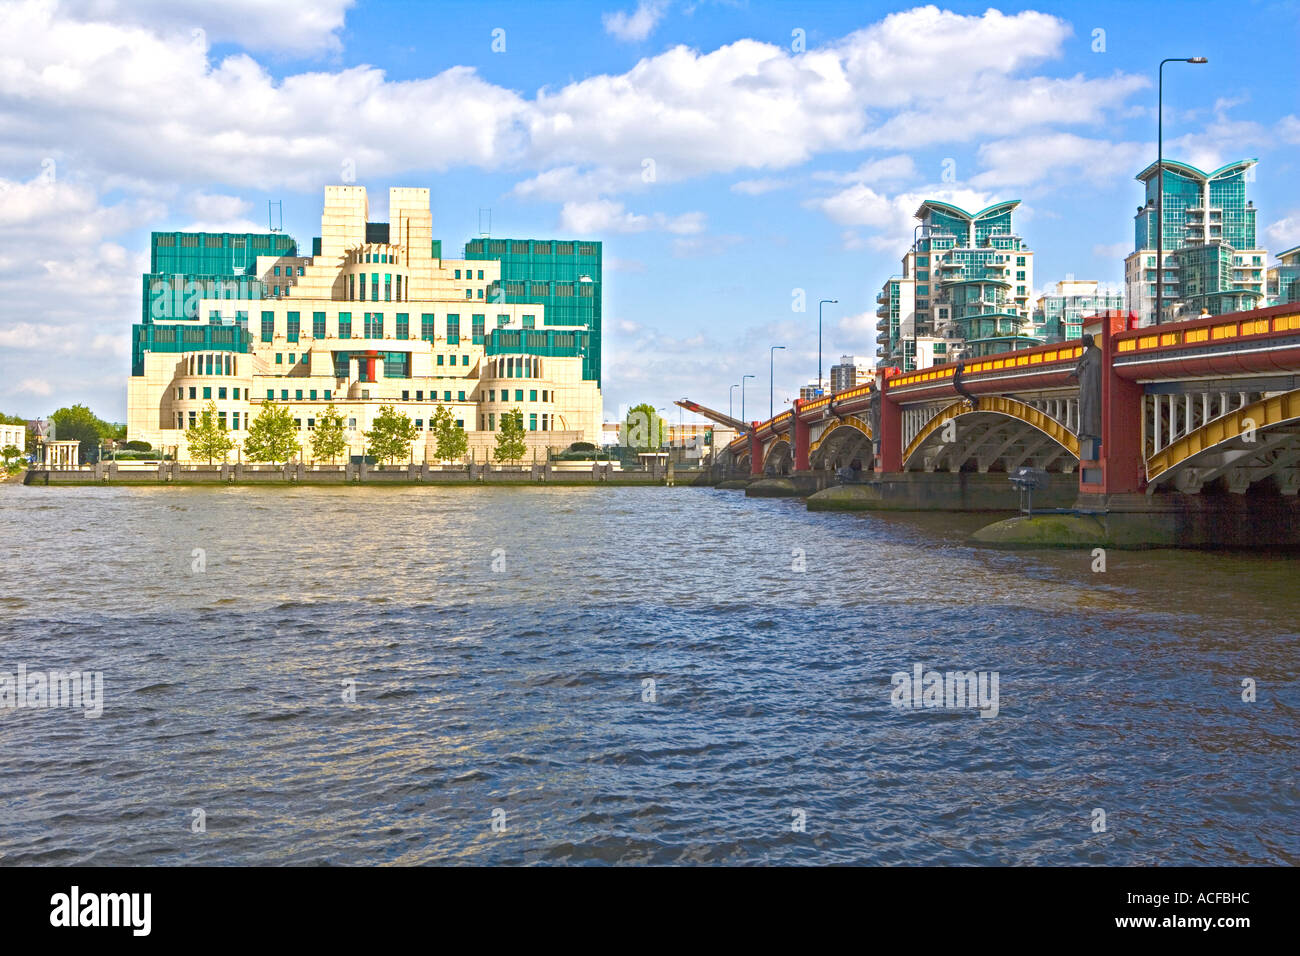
pixel 789 145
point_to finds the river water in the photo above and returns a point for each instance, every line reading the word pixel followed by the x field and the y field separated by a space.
pixel 622 675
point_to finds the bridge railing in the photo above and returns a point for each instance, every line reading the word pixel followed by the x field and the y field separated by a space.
pixel 1271 321
pixel 1048 357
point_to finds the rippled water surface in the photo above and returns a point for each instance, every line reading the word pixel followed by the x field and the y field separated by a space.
pixel 521 690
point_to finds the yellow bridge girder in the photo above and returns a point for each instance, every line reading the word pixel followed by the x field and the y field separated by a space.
pixel 850 420
pixel 1266 412
pixel 1009 407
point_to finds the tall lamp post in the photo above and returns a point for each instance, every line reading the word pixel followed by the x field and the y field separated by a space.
pixel 742 397
pixel 1160 180
pixel 819 340
pixel 771 369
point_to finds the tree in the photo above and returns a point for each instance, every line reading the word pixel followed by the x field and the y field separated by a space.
pixel 328 441
pixel 207 437
pixel 510 437
pixel 272 436
pixel 78 423
pixel 390 435
pixel 11 454
pixel 452 442
pixel 644 428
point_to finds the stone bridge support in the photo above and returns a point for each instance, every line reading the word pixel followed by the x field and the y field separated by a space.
pixel 801 440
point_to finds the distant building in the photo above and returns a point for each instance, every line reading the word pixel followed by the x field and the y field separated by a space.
pixel 1212 263
pixel 15 435
pixel 1059 314
pixel 849 373
pixel 810 391
pixel 965 287
pixel 1283 280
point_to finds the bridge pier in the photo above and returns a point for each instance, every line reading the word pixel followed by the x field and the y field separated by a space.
pixel 801 440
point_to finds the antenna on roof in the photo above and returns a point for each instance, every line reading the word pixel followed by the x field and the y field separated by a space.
pixel 278 206
pixel 484 233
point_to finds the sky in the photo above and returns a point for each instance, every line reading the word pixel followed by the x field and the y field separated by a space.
pixel 737 159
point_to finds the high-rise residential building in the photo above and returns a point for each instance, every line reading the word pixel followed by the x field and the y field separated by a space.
pixel 1212 263
pixel 374 317
pixel 970 278
pixel 1059 314
pixel 1284 278
pixel 563 275
pixel 810 391
pixel 850 373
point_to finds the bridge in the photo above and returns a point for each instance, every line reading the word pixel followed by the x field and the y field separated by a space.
pixel 1210 404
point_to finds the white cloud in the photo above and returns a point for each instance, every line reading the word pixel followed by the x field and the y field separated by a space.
pixel 1028 160
pixel 756 187
pixel 34 386
pixel 292 26
pixel 1115 250
pixel 889 169
pixel 603 216
pixel 891 217
pixel 1288 129
pixel 1284 233
pixel 635 26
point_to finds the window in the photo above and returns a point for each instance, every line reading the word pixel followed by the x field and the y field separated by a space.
pixel 374 287
pixel 352 424
pixel 193 392
pixel 234 420
pixel 297 395
pixel 221 393
pixel 284 394
pixel 532 422
pixel 270 394
pixel 478 330
pixel 462 397
pixel 406 396
pixel 388 287
pixel 492 394
pixel 544 395
pixel 374 325
pixel 464 360
pixel 327 394
pixel 519 395
pixel 440 362
pixel 453 332
pixel 300 270
pixel 457 273
pixel 345 325
pixel 221 419
pixel 427 328
pixel 192 420
pixel 277 270
pixel 352 287
pixel 318 325
pixel 480 273
pixel 313 394
pixel 529 322
pixel 446 396
pixel 268 326
pixel 419 424
pixel 502 321
pixel 460 423
pixel 403 325
pixel 207 391
pixel 492 420
pixel 469 293
pixel 532 394
pixel 277 290
pixel 311 424
pixel 480 293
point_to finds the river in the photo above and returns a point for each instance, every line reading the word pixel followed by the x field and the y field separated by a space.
pixel 406 675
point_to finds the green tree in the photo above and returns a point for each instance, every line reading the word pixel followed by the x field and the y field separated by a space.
pixel 328 441
pixel 510 437
pixel 208 437
pixel 11 454
pixel 390 435
pixel 78 423
pixel 644 428
pixel 452 442
pixel 272 436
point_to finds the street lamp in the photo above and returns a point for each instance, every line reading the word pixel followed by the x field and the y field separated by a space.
pixel 1160 180
pixel 771 358
pixel 819 340
pixel 742 397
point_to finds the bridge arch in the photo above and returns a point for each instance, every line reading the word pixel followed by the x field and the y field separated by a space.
pixel 1260 440
pixel 1001 431
pixel 841 442
pixel 779 456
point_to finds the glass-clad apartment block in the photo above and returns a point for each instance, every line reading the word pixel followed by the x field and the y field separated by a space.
pixel 1200 210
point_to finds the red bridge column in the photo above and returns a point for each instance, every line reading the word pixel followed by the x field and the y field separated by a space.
pixel 800 440
pixel 755 452
pixel 1122 466
pixel 891 430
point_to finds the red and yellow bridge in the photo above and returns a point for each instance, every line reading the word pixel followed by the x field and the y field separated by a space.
pixel 1183 406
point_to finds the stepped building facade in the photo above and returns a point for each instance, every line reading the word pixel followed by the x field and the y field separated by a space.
pixel 375 316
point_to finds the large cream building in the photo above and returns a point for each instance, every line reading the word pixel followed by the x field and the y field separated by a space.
pixel 362 324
